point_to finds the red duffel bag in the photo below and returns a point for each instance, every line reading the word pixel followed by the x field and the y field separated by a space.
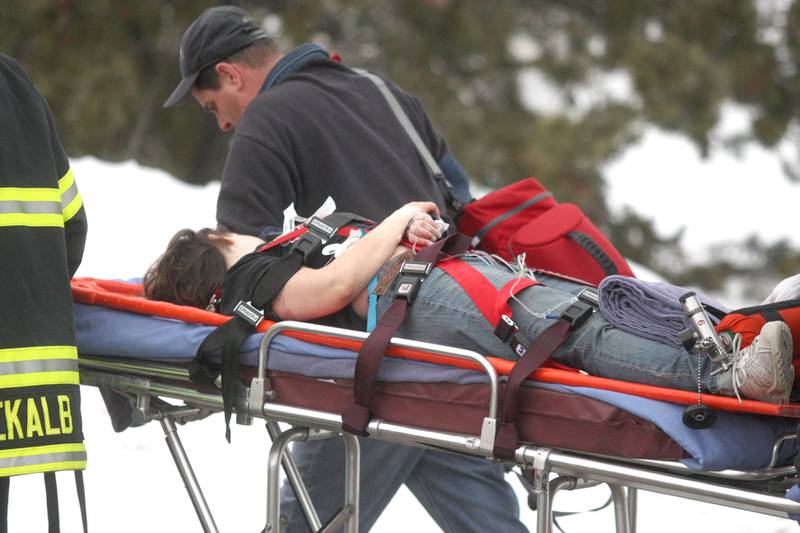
pixel 525 218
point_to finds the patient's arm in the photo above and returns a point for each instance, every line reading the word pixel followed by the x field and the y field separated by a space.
pixel 314 293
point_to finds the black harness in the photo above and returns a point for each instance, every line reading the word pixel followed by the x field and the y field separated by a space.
pixel 248 314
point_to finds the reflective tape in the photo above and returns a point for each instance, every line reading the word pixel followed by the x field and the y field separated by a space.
pixel 42 459
pixel 37 206
pixel 31 353
pixel 38 365
pixel 45 365
pixel 31 208
pixel 34 379
pixel 71 200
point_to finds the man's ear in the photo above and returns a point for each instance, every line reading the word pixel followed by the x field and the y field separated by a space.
pixel 229 73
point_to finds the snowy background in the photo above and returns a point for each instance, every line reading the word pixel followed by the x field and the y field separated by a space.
pixel 132 483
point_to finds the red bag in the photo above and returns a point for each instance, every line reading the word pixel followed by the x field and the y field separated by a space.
pixel 525 218
pixel 748 321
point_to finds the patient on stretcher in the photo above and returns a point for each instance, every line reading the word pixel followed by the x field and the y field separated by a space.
pixel 222 269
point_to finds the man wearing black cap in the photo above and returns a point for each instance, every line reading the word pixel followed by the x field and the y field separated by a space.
pixel 305 128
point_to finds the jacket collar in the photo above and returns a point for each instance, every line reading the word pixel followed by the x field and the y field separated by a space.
pixel 293 61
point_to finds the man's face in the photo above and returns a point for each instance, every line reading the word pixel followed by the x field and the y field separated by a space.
pixel 226 103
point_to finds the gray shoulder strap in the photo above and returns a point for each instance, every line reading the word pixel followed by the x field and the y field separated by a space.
pixel 430 162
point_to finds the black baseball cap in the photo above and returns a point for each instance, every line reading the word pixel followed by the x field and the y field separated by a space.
pixel 216 34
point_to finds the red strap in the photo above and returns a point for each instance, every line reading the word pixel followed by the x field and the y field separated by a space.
pixel 489 301
pixel 478 288
pixel 344 231
pixel 511 288
pixel 283 238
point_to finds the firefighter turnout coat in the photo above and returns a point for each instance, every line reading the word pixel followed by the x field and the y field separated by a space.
pixel 42 235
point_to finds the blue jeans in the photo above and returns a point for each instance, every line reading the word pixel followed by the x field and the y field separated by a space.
pixel 462 494
pixel 465 494
pixel 443 313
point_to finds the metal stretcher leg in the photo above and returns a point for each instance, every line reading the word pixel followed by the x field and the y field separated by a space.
pixel 633 502
pixel 293 476
pixel 544 511
pixel 621 512
pixel 347 516
pixel 187 474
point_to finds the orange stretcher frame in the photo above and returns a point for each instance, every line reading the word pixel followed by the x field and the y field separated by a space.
pixel 128 297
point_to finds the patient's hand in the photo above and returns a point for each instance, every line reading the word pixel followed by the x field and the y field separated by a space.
pixel 422 230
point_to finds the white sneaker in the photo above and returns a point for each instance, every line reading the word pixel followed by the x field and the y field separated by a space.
pixel 763 371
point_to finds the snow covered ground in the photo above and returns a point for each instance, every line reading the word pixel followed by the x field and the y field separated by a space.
pixel 132 484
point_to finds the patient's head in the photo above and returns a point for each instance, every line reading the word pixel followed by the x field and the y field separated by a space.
pixel 190 270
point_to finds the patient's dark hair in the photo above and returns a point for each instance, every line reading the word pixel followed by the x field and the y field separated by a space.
pixel 188 272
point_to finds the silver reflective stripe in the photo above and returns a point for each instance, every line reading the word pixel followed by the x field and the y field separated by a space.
pixel 69 195
pixel 41 365
pixel 44 458
pixel 33 207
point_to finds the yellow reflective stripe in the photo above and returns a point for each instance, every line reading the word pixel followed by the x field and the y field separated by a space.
pixel 73 207
pixel 41 450
pixel 29 460
pixel 30 194
pixel 66 181
pixel 45 467
pixel 71 200
pixel 34 379
pixel 19 219
pixel 36 353
pixel 28 207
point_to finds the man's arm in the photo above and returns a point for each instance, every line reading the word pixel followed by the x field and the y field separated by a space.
pixel 75 223
pixel 75 228
pixel 256 187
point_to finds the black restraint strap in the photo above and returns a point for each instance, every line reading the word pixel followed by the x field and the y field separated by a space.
pixel 5 483
pixel 79 487
pixel 51 491
pixel 507 438
pixel 357 415
pixel 771 315
pixel 761 309
pixel 228 338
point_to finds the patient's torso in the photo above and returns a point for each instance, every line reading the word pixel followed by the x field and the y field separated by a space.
pixel 241 280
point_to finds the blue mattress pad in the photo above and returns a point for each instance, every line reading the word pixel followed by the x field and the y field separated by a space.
pixel 735 441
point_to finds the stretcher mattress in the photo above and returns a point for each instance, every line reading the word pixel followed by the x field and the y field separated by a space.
pixel 449 398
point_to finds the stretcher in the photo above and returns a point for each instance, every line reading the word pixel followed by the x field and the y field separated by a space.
pixel 577 430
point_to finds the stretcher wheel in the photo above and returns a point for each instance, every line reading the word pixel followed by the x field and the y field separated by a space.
pixel 699 416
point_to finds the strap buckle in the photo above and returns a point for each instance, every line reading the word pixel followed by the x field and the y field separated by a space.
pixel 412 274
pixel 505 328
pixel 508 332
pixel 249 313
pixel 589 296
pixel 577 313
pixel 317 234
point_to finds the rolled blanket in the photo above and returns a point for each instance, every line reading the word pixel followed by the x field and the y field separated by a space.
pixel 648 309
